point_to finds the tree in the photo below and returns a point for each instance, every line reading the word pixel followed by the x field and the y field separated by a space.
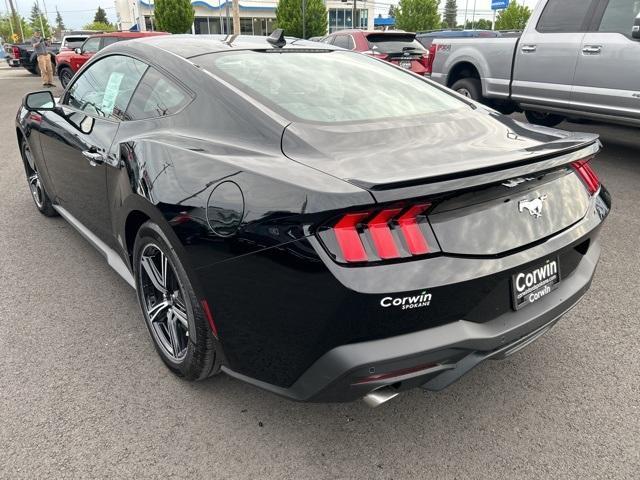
pixel 514 17
pixel 38 21
pixel 101 16
pixel 100 27
pixel 174 16
pixel 417 15
pixel 289 18
pixel 59 23
pixel 392 11
pixel 450 14
pixel 479 24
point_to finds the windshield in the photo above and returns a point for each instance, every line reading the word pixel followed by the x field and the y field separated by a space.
pixel 329 87
pixel 393 43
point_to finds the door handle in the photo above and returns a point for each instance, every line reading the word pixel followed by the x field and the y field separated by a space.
pixel 94 158
pixel 529 48
pixel 592 49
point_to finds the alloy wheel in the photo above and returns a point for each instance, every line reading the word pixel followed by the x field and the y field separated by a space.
pixel 164 305
pixel 35 185
pixel 465 92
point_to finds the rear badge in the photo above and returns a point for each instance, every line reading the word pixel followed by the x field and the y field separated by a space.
pixel 514 182
pixel 531 285
pixel 534 207
pixel 407 303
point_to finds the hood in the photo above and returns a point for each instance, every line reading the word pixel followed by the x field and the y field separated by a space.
pixel 443 145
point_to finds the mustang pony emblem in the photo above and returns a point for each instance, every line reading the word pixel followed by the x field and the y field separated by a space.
pixel 533 206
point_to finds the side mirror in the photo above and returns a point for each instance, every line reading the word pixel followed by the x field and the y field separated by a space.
pixel 39 101
pixel 635 31
pixel 78 50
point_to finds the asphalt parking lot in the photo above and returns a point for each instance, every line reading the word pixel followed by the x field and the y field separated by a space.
pixel 84 394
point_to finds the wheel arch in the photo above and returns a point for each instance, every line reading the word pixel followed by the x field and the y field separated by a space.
pixel 463 69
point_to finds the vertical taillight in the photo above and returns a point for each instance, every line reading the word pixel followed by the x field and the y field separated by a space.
pixel 588 176
pixel 429 58
pixel 15 52
pixel 398 231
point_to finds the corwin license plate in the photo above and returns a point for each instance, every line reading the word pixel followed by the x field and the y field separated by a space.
pixel 405 64
pixel 529 286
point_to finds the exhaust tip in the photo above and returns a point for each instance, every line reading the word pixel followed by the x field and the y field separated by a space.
pixel 380 396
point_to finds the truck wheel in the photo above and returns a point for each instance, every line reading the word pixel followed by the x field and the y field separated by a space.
pixel 470 88
pixel 544 119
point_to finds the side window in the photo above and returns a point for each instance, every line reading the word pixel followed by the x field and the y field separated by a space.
pixel 156 96
pixel 106 41
pixel 619 16
pixel 564 16
pixel 350 44
pixel 105 88
pixel 341 41
pixel 92 45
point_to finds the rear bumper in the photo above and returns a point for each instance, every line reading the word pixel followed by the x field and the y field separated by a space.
pixel 436 357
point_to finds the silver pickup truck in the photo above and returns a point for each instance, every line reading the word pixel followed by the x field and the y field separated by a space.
pixel 575 58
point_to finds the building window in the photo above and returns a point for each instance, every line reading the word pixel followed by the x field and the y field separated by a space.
pixel 340 19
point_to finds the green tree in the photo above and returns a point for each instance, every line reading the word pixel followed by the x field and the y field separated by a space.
pixel 450 14
pixel 100 17
pixel 392 11
pixel 59 22
pixel 289 18
pixel 418 15
pixel 38 21
pixel 100 27
pixel 173 16
pixel 479 24
pixel 514 17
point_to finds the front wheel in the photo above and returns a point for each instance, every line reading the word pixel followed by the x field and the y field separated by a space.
pixel 470 88
pixel 544 119
pixel 179 329
pixel 65 74
pixel 38 192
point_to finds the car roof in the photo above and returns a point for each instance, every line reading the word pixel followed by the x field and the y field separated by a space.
pixel 130 34
pixel 188 46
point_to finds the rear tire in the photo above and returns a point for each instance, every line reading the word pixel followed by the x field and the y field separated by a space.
pixel 38 192
pixel 176 322
pixel 470 88
pixel 544 119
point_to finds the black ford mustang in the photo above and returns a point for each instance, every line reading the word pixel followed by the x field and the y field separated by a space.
pixel 313 221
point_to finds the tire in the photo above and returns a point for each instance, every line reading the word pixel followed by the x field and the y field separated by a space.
pixel 65 74
pixel 38 192
pixel 191 351
pixel 544 119
pixel 34 71
pixel 470 88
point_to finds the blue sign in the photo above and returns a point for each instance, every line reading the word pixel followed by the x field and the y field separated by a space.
pixel 499 4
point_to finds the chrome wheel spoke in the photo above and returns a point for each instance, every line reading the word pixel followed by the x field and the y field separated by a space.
pixel 172 327
pixel 180 315
pixel 155 311
pixel 157 277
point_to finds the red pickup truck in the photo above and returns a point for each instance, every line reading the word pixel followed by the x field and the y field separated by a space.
pixel 68 62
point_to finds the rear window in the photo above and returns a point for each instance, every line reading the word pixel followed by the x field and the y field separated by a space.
pixel 74 42
pixel 393 43
pixel 329 87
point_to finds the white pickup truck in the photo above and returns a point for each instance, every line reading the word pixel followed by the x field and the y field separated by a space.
pixel 575 58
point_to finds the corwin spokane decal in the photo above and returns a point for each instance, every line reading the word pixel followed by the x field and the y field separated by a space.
pixel 406 303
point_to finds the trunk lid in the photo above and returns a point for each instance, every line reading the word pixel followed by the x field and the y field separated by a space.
pixel 434 157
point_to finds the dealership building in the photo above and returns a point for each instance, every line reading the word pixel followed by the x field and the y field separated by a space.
pixel 257 17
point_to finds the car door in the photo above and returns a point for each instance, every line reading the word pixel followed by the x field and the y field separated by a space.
pixel 547 54
pixel 77 140
pixel 607 76
pixel 89 48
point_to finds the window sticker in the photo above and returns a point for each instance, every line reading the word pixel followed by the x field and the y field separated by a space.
pixel 111 92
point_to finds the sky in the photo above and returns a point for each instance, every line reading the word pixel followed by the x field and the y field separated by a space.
pixel 77 13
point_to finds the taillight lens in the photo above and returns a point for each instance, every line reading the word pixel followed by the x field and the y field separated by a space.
pixel 427 60
pixel 15 52
pixel 388 233
pixel 587 174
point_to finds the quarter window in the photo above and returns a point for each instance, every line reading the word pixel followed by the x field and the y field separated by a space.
pixel 344 41
pixel 105 88
pixel 564 16
pixel 619 16
pixel 156 96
